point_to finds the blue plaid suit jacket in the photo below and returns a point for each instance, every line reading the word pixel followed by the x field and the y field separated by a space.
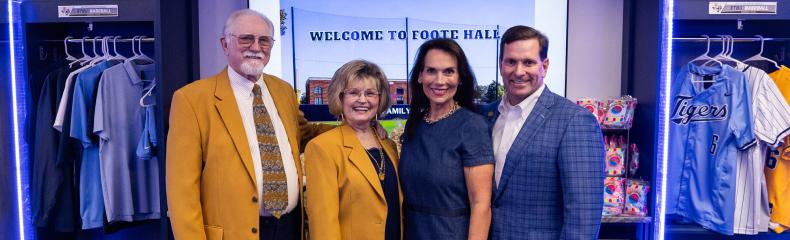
pixel 551 186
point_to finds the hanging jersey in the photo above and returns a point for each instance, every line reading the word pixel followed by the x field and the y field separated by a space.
pixel 82 109
pixel 777 166
pixel 130 186
pixel 771 122
pixel 709 123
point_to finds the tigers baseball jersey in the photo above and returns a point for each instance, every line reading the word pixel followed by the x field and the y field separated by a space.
pixel 771 122
pixel 709 123
pixel 777 167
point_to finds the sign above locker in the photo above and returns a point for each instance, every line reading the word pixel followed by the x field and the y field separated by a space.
pixel 742 8
pixel 87 11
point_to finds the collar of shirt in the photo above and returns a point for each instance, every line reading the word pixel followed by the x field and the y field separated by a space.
pixel 524 107
pixel 240 84
pixel 132 69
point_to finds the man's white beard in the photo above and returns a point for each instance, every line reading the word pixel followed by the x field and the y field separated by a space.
pixel 252 67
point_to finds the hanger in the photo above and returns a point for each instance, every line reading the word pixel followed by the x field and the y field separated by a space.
pixel 66 49
pixel 96 58
pixel 105 48
pixel 759 56
pixel 140 50
pixel 117 55
pixel 730 48
pixel 144 58
pixel 705 56
pixel 148 94
pixel 708 59
pixel 726 42
pixel 139 55
pixel 722 56
pixel 84 57
pixel 114 47
pixel 134 51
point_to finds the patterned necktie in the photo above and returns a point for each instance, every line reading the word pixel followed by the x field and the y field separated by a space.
pixel 275 187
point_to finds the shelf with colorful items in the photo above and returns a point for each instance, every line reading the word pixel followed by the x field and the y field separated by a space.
pixel 625 198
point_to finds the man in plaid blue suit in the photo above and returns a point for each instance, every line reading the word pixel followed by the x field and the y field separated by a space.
pixel 549 151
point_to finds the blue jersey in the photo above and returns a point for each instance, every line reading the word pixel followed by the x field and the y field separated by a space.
pixel 130 184
pixel 82 108
pixel 709 123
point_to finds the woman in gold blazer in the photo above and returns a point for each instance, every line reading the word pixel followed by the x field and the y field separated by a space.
pixel 352 183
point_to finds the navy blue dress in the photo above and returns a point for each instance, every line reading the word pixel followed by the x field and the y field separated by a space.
pixel 436 203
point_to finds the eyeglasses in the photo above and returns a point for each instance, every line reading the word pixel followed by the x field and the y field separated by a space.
pixel 246 40
pixel 358 93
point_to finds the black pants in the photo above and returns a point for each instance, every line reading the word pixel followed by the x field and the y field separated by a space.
pixel 288 227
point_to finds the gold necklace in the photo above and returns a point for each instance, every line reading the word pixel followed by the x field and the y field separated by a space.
pixel 452 110
pixel 381 169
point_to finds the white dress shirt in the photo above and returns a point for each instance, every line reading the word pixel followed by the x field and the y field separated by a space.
pixel 242 89
pixel 506 128
pixel 61 114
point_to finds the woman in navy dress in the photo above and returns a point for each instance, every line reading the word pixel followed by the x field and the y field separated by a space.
pixel 447 160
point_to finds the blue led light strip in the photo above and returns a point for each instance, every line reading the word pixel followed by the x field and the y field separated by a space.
pixel 666 78
pixel 17 138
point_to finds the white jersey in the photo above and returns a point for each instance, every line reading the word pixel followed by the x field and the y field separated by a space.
pixel 771 123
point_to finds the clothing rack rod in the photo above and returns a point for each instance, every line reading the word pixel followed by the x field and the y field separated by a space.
pixel 718 39
pixel 79 40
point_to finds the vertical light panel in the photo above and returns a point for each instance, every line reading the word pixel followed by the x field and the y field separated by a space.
pixel 271 8
pixel 665 87
pixel 551 18
pixel 16 120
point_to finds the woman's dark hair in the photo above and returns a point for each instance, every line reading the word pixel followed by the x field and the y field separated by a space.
pixel 465 95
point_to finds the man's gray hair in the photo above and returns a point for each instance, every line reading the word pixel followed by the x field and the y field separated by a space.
pixel 245 12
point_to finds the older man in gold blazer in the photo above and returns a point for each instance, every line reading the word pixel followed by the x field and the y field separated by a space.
pixel 217 158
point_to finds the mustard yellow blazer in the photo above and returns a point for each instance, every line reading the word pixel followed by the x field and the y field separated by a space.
pixel 211 185
pixel 344 195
